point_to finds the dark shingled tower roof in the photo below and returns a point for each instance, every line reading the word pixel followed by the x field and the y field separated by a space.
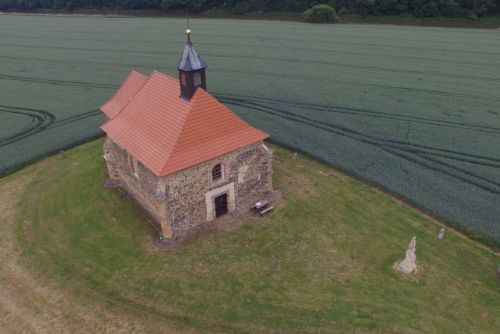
pixel 190 60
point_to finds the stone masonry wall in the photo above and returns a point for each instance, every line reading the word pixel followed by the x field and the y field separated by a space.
pixel 143 187
pixel 177 202
pixel 249 168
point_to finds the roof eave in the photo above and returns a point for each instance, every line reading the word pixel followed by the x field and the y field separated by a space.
pixel 168 171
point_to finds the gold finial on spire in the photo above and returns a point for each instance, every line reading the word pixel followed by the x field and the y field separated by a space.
pixel 188 30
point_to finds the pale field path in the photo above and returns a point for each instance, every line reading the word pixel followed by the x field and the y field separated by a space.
pixel 415 110
pixel 29 304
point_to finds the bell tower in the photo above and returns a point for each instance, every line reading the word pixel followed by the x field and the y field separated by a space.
pixel 191 70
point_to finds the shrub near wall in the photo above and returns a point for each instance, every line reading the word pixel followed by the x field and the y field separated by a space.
pixel 321 14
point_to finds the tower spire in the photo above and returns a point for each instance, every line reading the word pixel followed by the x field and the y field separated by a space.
pixel 191 69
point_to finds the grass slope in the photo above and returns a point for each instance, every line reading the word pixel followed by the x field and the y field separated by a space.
pixel 320 263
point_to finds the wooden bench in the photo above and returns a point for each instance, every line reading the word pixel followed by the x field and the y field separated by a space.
pixel 261 204
pixel 266 210
pixel 263 207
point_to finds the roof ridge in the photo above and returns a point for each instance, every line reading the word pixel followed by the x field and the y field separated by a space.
pixel 132 97
pixel 116 92
pixel 115 104
pixel 194 101
pixel 179 134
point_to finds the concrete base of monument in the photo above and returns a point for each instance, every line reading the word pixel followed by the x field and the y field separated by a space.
pixel 406 266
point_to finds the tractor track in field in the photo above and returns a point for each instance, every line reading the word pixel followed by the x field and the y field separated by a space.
pixel 41 120
pixel 308 61
pixel 424 156
pixel 300 77
pixel 366 112
pixel 336 63
pixel 305 37
pixel 260 46
pixel 57 82
pixel 421 155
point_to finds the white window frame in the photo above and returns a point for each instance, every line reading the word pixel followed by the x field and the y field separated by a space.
pixel 211 195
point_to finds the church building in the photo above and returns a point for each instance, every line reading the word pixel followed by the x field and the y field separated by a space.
pixel 183 156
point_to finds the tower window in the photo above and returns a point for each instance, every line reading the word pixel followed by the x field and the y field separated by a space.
pixel 217 172
pixel 183 79
pixel 197 79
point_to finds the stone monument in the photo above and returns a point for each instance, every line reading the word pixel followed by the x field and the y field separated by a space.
pixel 440 233
pixel 408 265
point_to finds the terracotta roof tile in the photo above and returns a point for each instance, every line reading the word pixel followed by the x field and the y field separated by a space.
pixel 128 89
pixel 167 133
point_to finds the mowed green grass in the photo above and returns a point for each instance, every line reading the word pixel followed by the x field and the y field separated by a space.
pixel 414 109
pixel 322 262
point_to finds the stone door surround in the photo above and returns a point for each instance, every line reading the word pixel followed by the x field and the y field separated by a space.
pixel 212 194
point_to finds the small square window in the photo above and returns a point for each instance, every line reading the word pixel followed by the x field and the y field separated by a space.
pixel 217 172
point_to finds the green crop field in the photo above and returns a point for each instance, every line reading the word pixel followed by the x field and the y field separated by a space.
pixel 416 110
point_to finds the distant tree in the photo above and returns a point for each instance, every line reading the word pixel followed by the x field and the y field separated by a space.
pixel 241 8
pixel 321 14
pixel 420 8
pixel 8 5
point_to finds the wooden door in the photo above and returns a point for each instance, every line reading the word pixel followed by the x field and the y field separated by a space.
pixel 220 205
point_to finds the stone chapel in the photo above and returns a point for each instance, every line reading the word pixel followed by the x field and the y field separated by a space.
pixel 183 156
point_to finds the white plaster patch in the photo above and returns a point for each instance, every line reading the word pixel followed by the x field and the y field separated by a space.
pixel 242 171
pixel 161 188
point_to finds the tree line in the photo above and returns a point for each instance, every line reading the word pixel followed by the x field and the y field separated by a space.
pixel 419 8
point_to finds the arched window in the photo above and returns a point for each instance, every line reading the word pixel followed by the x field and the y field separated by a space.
pixel 217 172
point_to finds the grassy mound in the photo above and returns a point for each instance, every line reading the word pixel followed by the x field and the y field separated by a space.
pixel 321 262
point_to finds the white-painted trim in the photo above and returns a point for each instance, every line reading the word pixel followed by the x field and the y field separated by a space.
pixel 161 186
pixel 212 194
pixel 242 172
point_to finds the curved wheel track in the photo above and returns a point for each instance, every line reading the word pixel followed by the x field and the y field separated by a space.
pixel 425 156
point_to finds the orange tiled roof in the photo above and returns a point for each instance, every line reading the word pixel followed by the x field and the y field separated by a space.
pixel 128 89
pixel 167 133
